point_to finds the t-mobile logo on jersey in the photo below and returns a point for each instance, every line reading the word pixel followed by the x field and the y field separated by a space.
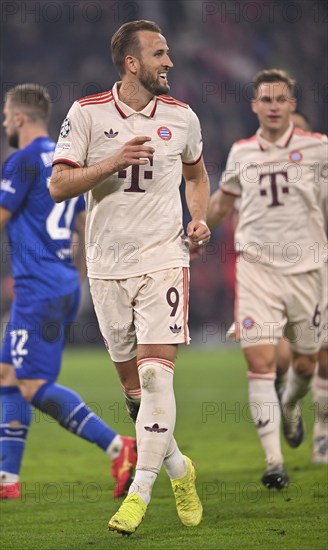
pixel 274 187
pixel 135 176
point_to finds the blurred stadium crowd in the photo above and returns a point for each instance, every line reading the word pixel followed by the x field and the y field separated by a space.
pixel 216 47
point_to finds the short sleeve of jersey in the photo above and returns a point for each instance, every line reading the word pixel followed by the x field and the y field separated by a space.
pixel 230 181
pixel 194 146
pixel 18 175
pixel 73 140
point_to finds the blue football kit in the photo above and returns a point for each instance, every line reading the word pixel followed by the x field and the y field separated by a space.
pixel 46 301
pixel 46 280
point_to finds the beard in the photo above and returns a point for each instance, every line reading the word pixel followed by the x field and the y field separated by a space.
pixel 151 84
pixel 13 140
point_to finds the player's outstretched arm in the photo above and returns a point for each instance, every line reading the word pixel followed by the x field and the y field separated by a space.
pixel 197 195
pixel 67 182
pixel 221 204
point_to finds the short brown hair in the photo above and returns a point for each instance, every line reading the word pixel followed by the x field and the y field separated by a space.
pixel 126 41
pixel 34 99
pixel 273 75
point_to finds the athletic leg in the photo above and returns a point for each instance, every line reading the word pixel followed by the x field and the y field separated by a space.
pixel 16 415
pixel 265 410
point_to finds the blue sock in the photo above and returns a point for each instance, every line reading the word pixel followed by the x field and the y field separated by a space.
pixel 14 409
pixel 65 406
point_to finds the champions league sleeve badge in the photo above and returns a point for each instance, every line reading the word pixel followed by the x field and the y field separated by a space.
pixel 65 128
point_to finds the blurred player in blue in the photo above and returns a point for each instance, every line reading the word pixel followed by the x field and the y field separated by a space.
pixel 47 294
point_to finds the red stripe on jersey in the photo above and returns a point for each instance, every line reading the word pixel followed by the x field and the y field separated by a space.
pixel 153 111
pixel 96 102
pixel 185 274
pixel 66 161
pixel 229 193
pixel 170 98
pixel 156 360
pixel 99 98
pixel 123 115
pixel 94 96
pixel 193 163
pixel 247 140
pixel 171 101
pixel 300 132
pixel 95 99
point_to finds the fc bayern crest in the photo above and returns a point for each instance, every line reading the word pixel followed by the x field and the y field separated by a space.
pixel 164 133
pixel 65 128
pixel 248 323
pixel 295 156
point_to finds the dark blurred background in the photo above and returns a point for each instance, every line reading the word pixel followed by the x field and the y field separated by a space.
pixel 217 47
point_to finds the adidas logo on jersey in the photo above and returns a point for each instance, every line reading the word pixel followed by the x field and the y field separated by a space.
pixel 175 329
pixel 111 134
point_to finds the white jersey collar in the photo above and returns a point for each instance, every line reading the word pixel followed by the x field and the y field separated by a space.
pixel 282 142
pixel 126 111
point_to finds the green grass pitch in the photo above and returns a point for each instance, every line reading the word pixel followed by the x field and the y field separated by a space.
pixel 67 489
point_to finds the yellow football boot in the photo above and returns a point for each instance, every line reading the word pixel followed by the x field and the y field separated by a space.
pixel 189 507
pixel 129 516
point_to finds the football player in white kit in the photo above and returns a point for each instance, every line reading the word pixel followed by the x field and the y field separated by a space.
pixel 127 150
pixel 279 174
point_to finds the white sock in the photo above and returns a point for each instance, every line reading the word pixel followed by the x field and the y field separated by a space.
pixel 320 398
pixel 142 484
pixel 115 447
pixel 265 412
pixel 156 417
pixel 174 461
pixel 175 466
pixel 7 477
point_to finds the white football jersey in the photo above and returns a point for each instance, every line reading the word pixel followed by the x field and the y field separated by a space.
pixel 282 188
pixel 134 217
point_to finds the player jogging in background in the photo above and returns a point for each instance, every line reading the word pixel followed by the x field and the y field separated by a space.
pixel 47 294
pixel 284 353
pixel 279 175
pixel 127 149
